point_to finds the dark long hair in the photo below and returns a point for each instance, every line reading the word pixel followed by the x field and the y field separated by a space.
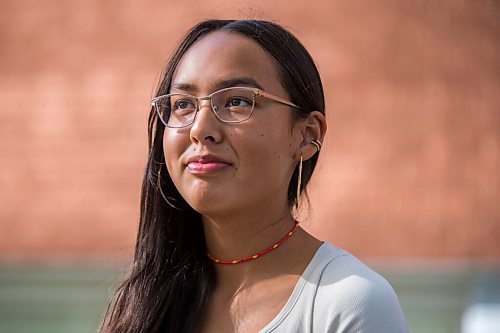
pixel 171 278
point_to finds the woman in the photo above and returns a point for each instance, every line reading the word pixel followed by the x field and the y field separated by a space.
pixel 234 134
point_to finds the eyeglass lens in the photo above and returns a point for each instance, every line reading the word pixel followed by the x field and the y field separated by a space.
pixel 229 105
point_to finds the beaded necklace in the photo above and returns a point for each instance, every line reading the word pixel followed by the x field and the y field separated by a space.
pixel 257 255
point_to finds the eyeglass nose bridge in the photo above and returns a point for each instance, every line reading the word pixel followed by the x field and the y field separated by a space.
pixel 210 103
pixel 213 107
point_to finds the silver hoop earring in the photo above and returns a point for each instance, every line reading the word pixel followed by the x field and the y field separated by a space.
pixel 299 183
pixel 316 143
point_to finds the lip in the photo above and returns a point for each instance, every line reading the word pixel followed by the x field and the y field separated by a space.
pixel 206 164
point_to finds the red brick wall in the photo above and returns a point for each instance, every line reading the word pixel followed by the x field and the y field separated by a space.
pixel 409 168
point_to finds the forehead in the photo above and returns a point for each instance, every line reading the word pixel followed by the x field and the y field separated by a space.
pixel 222 56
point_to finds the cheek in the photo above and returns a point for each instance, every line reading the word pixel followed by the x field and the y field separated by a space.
pixel 173 147
pixel 268 153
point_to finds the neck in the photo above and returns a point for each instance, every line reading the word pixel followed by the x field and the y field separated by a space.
pixel 236 237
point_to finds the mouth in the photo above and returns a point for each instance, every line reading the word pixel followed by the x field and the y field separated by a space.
pixel 206 164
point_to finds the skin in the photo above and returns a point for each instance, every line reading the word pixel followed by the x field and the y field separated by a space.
pixel 244 201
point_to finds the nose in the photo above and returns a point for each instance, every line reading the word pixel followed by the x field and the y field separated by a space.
pixel 206 127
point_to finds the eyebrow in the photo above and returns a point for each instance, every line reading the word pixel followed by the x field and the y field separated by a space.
pixel 238 82
pixel 232 82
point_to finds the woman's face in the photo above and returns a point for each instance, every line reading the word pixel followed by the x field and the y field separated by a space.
pixel 222 169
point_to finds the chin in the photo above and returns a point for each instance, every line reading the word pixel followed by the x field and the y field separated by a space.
pixel 213 206
pixel 205 203
pixel 210 209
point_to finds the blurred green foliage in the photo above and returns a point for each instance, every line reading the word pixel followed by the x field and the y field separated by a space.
pixel 57 299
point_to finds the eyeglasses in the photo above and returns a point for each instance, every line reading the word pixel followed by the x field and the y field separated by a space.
pixel 230 105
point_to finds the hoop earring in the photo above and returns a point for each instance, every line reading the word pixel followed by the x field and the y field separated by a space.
pixel 158 185
pixel 299 183
pixel 316 143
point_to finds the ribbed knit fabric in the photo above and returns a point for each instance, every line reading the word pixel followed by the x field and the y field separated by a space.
pixel 339 293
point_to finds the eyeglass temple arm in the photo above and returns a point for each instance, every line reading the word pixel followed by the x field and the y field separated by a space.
pixel 259 92
pixel 155 99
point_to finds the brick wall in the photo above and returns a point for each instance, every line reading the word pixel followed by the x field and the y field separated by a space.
pixel 409 168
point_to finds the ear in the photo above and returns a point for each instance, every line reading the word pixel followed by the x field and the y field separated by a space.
pixel 312 128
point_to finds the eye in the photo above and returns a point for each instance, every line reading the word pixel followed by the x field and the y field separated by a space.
pixel 183 104
pixel 238 101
